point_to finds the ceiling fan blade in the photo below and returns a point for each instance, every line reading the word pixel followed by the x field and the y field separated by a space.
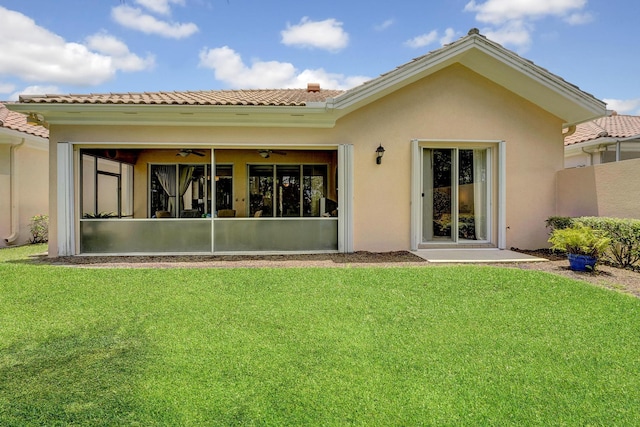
pixel 185 152
pixel 282 153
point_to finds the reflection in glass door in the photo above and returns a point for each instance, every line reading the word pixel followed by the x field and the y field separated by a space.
pixel 455 195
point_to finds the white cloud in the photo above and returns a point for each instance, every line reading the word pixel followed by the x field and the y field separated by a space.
pixel 229 68
pixel 34 54
pixel 448 37
pixel 624 106
pixel 123 59
pixel 135 19
pixel 579 18
pixel 34 90
pixel 386 24
pixel 515 33
pixel 498 12
pixel 422 40
pixel 511 21
pixel 161 7
pixel 431 37
pixel 327 35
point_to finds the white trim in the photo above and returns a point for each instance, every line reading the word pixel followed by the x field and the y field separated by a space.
pixel 65 199
pixel 502 195
pixel 416 187
pixel 416 195
pixel 345 198
pixel 214 194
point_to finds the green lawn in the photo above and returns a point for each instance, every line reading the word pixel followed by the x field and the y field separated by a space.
pixel 343 346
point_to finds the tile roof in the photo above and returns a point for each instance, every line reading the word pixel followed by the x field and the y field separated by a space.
pixel 18 122
pixel 614 126
pixel 255 97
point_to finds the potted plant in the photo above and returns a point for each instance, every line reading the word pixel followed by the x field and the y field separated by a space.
pixel 582 244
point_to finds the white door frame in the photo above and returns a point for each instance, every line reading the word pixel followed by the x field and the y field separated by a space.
pixel 417 179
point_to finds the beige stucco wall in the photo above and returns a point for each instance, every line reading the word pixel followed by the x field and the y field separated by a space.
pixel 609 189
pixel 29 171
pixel 453 104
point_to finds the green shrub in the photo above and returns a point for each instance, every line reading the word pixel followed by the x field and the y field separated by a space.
pixel 624 250
pixel 39 229
pixel 624 235
pixel 580 239
pixel 559 222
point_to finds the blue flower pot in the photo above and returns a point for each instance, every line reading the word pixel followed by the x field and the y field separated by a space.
pixel 581 262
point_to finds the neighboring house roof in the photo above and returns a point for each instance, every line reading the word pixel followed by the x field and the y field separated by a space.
pixel 18 122
pixel 311 108
pixel 606 129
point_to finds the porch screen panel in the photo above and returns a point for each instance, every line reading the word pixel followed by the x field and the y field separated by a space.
pixel 126 236
pixel 275 234
pixel 224 187
pixel 126 184
pixel 108 194
pixel 314 188
pixel 163 188
pixel 261 195
pixel 288 196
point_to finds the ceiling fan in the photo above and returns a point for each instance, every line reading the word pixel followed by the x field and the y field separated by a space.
pixel 267 153
pixel 187 151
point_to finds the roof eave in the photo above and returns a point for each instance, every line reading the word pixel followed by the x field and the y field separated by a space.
pixel 15 137
pixel 315 115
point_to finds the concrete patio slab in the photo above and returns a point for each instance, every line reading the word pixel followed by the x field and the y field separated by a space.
pixel 474 255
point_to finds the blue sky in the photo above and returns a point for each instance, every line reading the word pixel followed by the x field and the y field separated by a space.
pixel 97 46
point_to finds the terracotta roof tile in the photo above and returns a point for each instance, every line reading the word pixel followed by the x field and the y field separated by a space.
pixel 257 97
pixel 614 126
pixel 18 122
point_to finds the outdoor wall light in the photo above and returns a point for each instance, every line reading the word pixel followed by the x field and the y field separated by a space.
pixel 379 154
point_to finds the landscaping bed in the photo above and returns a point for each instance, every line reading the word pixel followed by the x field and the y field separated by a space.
pixel 625 280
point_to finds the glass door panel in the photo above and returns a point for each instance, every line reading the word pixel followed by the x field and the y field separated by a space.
pixel 455 194
pixel 472 199
pixel 437 203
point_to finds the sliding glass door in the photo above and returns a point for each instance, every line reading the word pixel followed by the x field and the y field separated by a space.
pixel 455 195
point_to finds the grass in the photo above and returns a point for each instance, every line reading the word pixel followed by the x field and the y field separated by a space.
pixel 345 346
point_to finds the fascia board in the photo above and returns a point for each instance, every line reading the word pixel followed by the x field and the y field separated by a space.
pixel 316 116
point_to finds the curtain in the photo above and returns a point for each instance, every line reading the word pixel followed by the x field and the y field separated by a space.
pixel 186 174
pixel 166 175
pixel 480 193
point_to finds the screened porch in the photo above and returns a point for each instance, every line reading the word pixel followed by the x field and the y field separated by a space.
pixel 197 201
